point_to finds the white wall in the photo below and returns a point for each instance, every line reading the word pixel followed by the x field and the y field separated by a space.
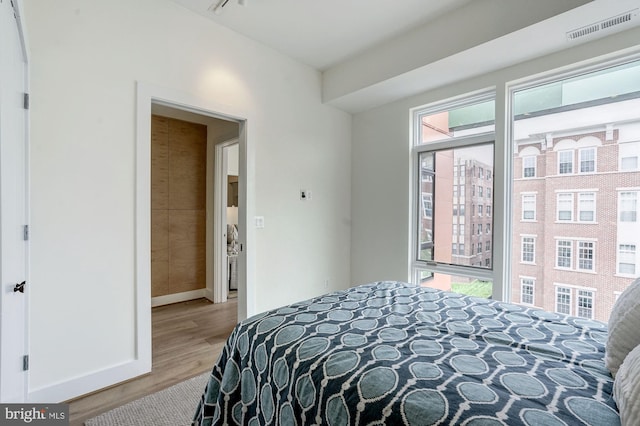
pixel 381 149
pixel 86 58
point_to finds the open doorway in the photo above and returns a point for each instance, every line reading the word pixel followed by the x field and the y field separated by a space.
pixel 194 174
pixel 189 107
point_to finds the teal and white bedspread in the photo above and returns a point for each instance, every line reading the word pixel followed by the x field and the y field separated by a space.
pixel 392 353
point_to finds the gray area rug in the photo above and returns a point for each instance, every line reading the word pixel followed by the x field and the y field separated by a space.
pixel 174 406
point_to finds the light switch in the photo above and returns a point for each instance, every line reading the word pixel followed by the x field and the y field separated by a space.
pixel 259 221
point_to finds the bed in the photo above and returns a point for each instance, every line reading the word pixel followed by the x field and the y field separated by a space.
pixel 392 353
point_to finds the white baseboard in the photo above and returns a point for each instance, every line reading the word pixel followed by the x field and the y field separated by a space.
pixel 73 388
pixel 178 297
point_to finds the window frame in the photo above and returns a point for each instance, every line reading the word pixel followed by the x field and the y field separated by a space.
pixel 570 209
pixel 581 161
pixel 634 211
pixel 571 153
pixel 580 210
pixel 533 167
pixel 532 285
pixel 524 203
pixel 531 243
pixel 495 272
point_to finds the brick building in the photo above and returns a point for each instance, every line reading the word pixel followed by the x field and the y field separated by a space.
pixel 576 230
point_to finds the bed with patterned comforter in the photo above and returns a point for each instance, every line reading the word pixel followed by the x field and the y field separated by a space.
pixel 392 353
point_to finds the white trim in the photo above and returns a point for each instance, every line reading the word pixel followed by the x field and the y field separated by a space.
pixel 82 385
pixel 575 286
pixel 179 297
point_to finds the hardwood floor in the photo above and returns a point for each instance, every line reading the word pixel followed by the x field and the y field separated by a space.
pixel 187 339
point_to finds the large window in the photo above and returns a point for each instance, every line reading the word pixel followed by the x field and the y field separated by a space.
pixel 582 129
pixel 454 151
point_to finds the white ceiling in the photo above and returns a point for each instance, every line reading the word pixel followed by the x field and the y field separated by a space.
pixel 321 33
pixel 375 51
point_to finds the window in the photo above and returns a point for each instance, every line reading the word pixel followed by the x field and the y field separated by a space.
pixel 526 290
pixel 627 259
pixel 585 255
pixel 587 160
pixel 487 246
pixel 565 206
pixel 628 206
pixel 455 230
pixel 628 153
pixel 629 163
pixel 563 300
pixel 488 228
pixel 563 256
pixel 479 248
pixel 529 207
pixel 528 249
pixel 480 209
pixel 480 189
pixel 479 229
pixel 587 207
pixel 488 192
pixel 529 166
pixel 585 304
pixel 441 149
pixel 427 205
pixel 488 210
pixel 586 177
pixel 565 162
pixel 488 175
pixel 473 190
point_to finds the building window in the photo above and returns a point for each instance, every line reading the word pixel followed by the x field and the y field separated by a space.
pixel 585 304
pixel 565 207
pixel 462 229
pixel 628 206
pixel 488 210
pixel 488 192
pixel 629 163
pixel 627 259
pixel 479 248
pixel 585 255
pixel 588 160
pixel 479 229
pixel 527 290
pixel 437 151
pixel 480 189
pixel 529 166
pixel 563 300
pixel 528 249
pixel 565 162
pixel 455 229
pixel 587 207
pixel 528 207
pixel 427 205
pixel 487 263
pixel 487 246
pixel 454 248
pixel 563 256
pixel 479 209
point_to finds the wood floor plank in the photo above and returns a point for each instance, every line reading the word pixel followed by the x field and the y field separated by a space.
pixel 187 340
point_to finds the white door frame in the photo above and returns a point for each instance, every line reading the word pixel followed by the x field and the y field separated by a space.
pixel 14 208
pixel 146 95
pixel 220 287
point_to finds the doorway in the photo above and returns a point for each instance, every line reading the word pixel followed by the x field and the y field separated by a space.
pixel 193 176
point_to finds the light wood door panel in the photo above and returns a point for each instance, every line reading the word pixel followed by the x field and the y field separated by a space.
pixel 187 230
pixel 178 197
pixel 187 165
pixel 159 252
pixel 159 162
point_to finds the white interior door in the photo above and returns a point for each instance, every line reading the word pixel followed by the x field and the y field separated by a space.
pixel 13 206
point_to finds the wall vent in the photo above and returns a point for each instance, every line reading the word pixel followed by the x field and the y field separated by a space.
pixel 602 25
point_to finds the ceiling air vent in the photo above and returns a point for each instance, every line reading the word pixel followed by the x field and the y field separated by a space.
pixel 603 25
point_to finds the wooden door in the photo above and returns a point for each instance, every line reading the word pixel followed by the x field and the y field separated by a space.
pixel 178 196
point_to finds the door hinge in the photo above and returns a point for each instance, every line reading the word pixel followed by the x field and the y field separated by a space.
pixel 25 363
pixel 26 101
pixel 25 233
